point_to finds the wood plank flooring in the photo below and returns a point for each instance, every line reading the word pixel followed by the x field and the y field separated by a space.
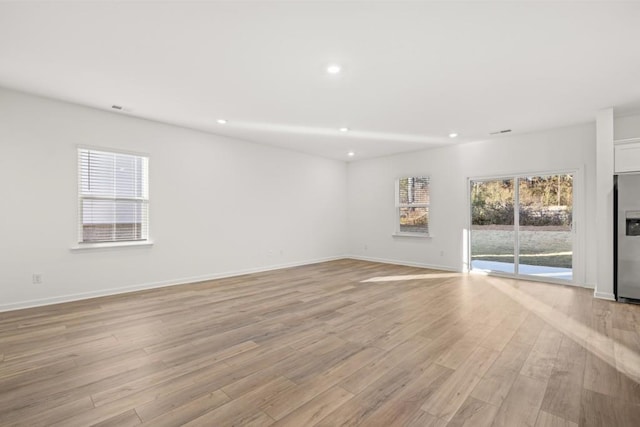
pixel 338 343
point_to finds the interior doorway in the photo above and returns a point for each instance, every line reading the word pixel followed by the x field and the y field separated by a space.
pixel 523 226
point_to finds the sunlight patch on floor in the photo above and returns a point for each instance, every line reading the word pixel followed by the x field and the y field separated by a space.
pixel 410 277
pixel 613 352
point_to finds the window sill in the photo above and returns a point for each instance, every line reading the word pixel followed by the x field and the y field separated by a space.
pixel 110 245
pixel 418 235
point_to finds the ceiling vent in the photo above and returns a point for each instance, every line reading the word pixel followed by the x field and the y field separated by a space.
pixel 500 132
pixel 117 107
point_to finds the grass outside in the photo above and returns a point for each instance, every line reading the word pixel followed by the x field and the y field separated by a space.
pixel 544 246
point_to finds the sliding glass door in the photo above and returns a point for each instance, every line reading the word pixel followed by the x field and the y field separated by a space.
pixel 492 225
pixel 545 226
pixel 522 225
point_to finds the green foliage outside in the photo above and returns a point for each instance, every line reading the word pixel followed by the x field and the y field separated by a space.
pixel 544 201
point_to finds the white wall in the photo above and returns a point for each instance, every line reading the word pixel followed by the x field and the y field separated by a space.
pixel 371 194
pixel 626 127
pixel 604 203
pixel 218 206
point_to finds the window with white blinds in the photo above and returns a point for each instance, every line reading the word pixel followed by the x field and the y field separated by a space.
pixel 113 196
pixel 412 205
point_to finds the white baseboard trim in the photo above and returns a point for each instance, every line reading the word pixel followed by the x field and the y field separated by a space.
pixel 604 295
pixel 152 285
pixel 400 262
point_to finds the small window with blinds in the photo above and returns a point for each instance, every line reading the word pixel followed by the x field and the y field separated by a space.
pixel 113 197
pixel 412 206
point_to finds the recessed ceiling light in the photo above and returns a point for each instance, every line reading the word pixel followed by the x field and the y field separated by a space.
pixel 344 129
pixel 222 121
pixel 333 69
pixel 453 135
pixel 351 154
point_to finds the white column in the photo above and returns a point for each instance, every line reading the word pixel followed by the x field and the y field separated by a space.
pixel 604 200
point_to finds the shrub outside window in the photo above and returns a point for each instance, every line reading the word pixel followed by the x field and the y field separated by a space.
pixel 412 206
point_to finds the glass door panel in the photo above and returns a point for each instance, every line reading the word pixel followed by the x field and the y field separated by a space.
pixel 545 219
pixel 493 236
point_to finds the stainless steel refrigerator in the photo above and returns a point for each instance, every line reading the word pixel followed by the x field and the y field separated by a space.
pixel 627 237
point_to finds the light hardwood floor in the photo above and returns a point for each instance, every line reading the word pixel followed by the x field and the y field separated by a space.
pixel 339 343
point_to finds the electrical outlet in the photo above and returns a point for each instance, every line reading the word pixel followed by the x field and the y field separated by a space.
pixel 366 247
pixel 36 278
pixel 441 253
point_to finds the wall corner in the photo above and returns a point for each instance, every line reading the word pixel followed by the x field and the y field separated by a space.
pixel 604 203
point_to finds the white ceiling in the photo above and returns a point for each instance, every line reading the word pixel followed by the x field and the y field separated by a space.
pixel 412 71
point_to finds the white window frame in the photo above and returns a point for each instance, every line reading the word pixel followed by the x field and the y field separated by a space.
pixel 412 205
pixel 81 244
